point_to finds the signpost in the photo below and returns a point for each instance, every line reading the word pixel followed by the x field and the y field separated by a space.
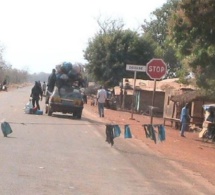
pixel 135 68
pixel 155 69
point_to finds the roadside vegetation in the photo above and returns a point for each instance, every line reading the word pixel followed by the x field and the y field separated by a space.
pixel 15 76
pixel 10 74
pixel 181 32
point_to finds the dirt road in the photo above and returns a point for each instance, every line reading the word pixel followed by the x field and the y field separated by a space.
pixel 190 152
pixel 60 155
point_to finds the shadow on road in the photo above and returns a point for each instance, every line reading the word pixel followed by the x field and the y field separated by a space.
pixel 83 119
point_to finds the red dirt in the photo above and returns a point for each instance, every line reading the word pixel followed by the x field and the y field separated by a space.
pixel 191 151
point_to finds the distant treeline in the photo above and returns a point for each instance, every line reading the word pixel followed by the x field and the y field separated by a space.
pixel 15 76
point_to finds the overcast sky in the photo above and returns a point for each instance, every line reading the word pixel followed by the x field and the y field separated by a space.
pixel 39 34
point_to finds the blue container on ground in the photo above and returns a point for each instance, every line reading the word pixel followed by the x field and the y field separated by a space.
pixel 39 112
pixel 117 130
pixel 127 133
pixel 161 133
pixel 6 129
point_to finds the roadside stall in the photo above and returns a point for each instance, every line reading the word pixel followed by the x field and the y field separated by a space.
pixel 175 103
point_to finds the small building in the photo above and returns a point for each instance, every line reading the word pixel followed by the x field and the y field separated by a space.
pixel 144 101
pixel 175 100
pixel 142 96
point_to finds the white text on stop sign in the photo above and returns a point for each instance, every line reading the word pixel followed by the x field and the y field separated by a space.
pixel 156 69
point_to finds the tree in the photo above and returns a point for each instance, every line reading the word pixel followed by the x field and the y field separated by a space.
pixel 111 49
pixel 156 31
pixel 7 72
pixel 192 33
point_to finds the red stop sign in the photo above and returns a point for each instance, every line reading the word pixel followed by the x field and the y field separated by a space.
pixel 156 68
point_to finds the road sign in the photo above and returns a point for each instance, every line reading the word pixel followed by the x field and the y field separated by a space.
pixel 156 68
pixel 138 68
pixel 135 69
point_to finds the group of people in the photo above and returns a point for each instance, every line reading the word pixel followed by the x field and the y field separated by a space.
pixel 39 90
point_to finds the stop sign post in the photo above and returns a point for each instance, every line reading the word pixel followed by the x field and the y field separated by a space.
pixel 155 69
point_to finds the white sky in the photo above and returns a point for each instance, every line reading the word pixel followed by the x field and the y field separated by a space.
pixel 39 34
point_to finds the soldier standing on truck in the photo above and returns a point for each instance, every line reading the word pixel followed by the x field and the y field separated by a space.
pixel 51 84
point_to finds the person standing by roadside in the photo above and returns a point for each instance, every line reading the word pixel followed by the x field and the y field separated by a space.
pixel 85 97
pixel 184 119
pixel 51 84
pixel 44 88
pixel 210 121
pixel 36 92
pixel 211 116
pixel 51 81
pixel 101 98
pixel 4 82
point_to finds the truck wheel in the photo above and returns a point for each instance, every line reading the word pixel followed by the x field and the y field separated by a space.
pixel 79 114
pixel 49 111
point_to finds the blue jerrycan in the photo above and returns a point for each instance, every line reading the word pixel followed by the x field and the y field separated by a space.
pixel 127 133
pixel 6 129
pixel 117 130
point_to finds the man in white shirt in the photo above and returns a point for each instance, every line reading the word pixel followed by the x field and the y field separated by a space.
pixel 101 98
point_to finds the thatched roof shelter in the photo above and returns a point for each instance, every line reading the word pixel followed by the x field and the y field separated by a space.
pixel 190 96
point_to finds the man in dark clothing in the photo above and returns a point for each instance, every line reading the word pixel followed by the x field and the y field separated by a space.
pixel 50 84
pixel 51 81
pixel 36 93
pixel 4 82
pixel 44 88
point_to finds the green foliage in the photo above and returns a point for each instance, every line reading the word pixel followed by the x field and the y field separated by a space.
pixel 192 33
pixel 156 31
pixel 111 49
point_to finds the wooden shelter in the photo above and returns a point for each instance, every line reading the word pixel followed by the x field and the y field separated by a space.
pixel 195 99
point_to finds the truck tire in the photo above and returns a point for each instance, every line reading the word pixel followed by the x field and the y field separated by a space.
pixel 49 111
pixel 77 114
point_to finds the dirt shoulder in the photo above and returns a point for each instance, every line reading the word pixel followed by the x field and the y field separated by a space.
pixel 190 151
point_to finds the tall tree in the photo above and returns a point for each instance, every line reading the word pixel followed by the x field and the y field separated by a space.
pixel 156 30
pixel 112 48
pixel 192 33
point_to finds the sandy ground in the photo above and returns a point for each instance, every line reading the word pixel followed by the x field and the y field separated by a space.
pixel 191 151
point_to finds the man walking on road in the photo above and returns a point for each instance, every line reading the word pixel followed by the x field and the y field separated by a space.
pixel 101 98
pixel 36 94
